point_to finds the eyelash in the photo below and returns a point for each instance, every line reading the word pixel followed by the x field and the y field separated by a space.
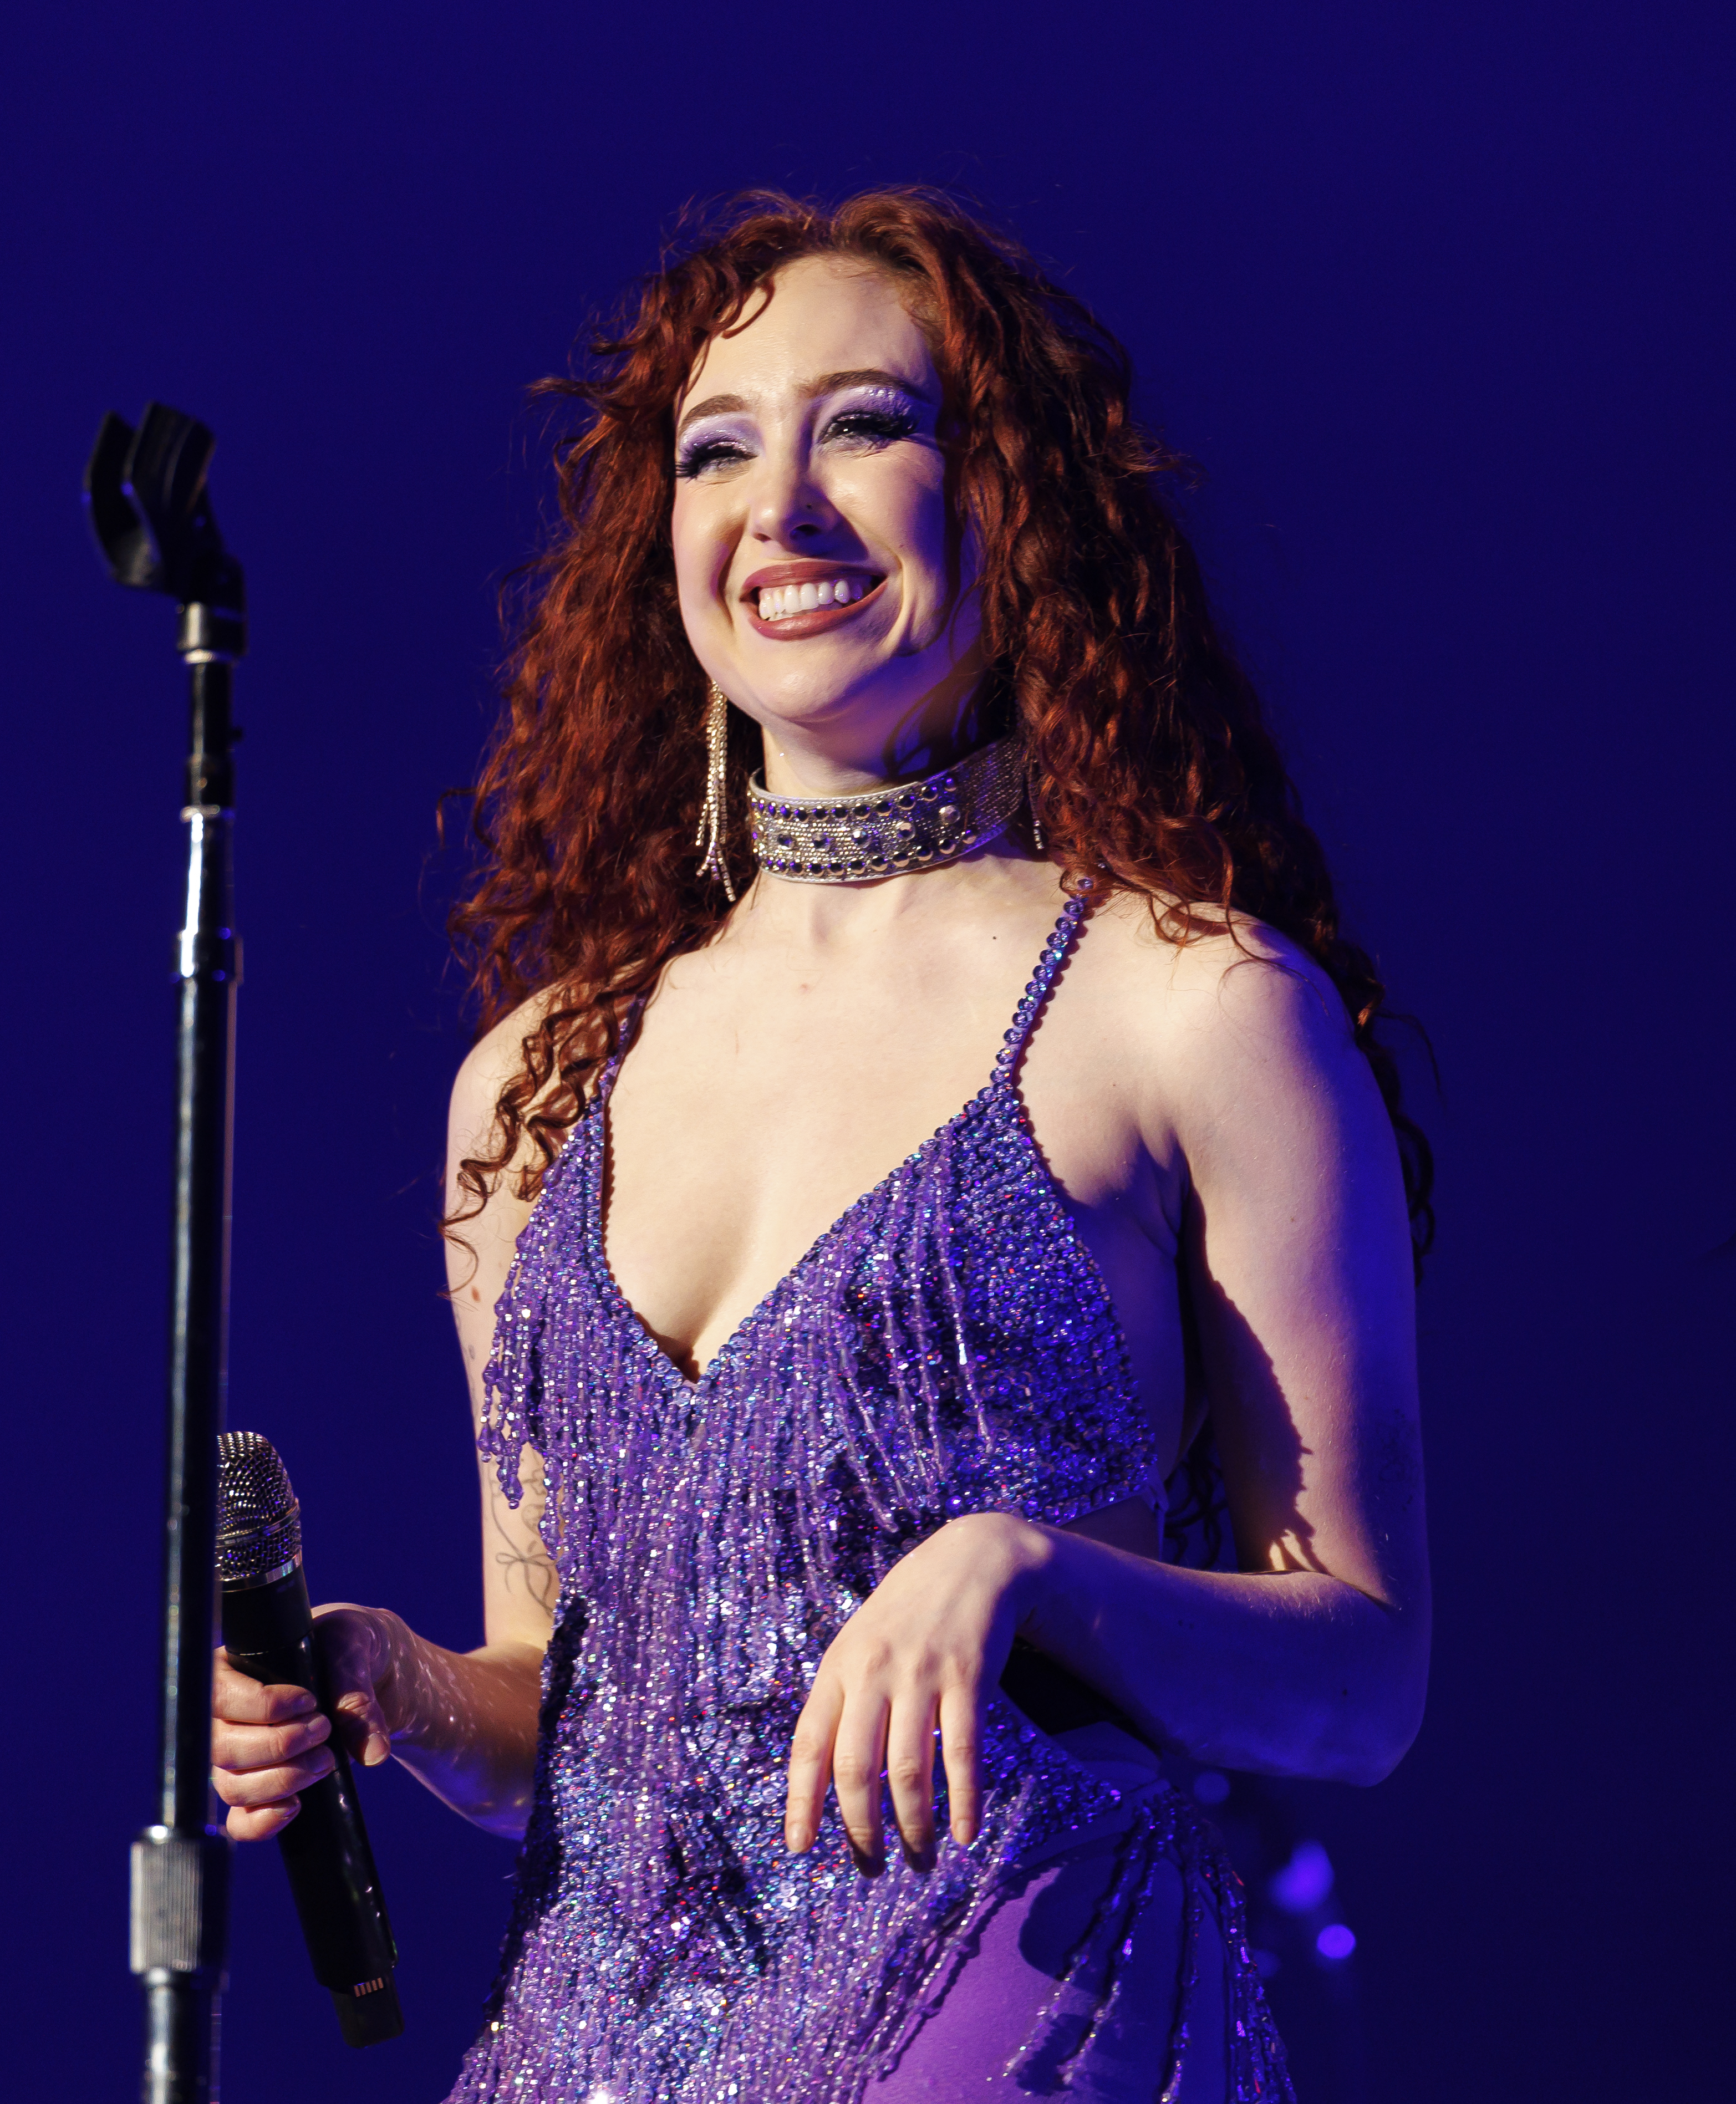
pixel 886 426
pixel 705 452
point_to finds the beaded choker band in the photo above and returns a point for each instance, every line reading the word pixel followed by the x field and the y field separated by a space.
pixel 847 840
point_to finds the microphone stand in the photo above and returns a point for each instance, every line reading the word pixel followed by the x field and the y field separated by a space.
pixel 145 494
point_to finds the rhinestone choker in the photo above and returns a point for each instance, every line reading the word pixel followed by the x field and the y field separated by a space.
pixel 847 840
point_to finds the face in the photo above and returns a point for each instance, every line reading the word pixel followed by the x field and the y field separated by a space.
pixel 810 529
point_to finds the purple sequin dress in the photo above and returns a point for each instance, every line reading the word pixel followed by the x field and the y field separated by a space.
pixel 948 1346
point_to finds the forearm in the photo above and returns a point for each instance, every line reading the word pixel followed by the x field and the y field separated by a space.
pixel 465 1724
pixel 1290 1673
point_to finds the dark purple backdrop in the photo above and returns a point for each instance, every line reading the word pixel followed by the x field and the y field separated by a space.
pixel 1440 295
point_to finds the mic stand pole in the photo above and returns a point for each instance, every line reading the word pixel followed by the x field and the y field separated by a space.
pixel 145 491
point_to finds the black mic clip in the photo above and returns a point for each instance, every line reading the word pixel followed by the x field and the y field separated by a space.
pixel 145 492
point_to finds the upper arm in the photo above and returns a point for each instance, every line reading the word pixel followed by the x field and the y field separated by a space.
pixel 1299 1271
pixel 519 1582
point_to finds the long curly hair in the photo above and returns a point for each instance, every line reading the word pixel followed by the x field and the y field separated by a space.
pixel 1153 770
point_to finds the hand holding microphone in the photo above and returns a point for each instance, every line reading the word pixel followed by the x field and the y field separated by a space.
pixel 279 1764
pixel 270 1744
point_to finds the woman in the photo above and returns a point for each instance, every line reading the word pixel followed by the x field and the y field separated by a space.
pixel 770 1519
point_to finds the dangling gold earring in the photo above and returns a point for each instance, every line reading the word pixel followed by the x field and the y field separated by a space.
pixel 710 835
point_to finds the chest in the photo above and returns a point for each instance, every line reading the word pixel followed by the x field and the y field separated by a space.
pixel 762 1096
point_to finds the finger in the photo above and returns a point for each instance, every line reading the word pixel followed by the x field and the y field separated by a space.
pixel 249 1746
pixel 362 1724
pixel 253 1788
pixel 858 1768
pixel 810 1765
pixel 260 1822
pixel 245 1701
pixel 351 1663
pixel 347 1643
pixel 910 1776
pixel 961 1751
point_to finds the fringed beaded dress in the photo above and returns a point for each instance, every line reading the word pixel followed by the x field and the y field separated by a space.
pixel 947 1347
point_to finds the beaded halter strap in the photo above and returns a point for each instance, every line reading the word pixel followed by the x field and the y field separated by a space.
pixel 844 839
pixel 1037 987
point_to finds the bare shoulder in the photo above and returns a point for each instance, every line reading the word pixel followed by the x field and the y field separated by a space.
pixel 1230 1017
pixel 487 1067
pixel 486 1232
pixel 1223 985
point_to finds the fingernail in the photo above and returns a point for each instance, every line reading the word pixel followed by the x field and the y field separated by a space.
pixel 796 1839
pixel 920 1860
pixel 870 1866
pixel 378 1749
pixel 319 1727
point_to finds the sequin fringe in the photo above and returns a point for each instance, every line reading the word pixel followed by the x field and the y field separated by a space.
pixel 947 1347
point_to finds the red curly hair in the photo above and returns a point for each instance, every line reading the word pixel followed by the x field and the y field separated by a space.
pixel 1153 770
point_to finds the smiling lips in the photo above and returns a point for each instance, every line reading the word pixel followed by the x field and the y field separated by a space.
pixel 807 603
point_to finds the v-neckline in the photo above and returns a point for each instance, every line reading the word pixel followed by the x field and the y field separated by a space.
pixel 1055 950
pixel 624 1307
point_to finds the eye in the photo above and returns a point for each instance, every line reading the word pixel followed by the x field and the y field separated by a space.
pixel 704 453
pixel 872 427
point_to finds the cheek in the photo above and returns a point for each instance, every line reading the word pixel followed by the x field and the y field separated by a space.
pixel 905 509
pixel 697 555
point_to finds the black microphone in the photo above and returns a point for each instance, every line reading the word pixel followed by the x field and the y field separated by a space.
pixel 268 1631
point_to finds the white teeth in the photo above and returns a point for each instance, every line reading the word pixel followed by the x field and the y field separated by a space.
pixel 778 601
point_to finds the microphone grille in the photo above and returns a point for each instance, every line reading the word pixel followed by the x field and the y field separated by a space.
pixel 259 1523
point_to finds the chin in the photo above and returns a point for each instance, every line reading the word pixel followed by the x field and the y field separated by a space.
pixel 818 690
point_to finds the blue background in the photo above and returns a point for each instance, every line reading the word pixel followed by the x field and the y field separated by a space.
pixel 1440 295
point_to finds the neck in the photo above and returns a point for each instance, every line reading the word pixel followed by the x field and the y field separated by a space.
pixel 843 755
pixel 821 916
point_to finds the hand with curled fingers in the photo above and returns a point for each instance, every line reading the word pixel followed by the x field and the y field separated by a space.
pixel 269 1743
pixel 920 1656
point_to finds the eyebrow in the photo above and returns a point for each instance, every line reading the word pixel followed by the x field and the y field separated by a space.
pixel 828 383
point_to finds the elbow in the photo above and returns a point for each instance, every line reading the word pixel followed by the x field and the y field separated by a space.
pixel 1371 1760
pixel 1370 1735
pixel 504 1812
pixel 505 1823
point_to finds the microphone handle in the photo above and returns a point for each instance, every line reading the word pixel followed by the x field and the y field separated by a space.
pixel 268 1632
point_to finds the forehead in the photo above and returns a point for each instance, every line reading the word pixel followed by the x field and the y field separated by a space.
pixel 824 314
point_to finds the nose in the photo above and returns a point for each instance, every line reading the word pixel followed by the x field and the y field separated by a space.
pixel 789 505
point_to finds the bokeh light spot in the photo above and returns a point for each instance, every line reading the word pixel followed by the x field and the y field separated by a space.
pixel 1305 1881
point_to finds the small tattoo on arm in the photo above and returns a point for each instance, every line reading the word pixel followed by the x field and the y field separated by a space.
pixel 515 1557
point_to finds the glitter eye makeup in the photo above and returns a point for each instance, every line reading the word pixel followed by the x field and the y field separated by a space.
pixel 871 417
pixel 863 419
pixel 717 441
pixel 876 407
